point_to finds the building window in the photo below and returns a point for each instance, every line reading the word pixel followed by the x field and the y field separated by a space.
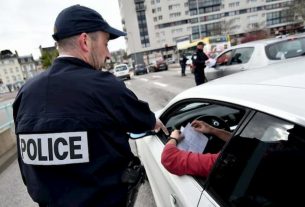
pixel 160 17
pixel 174 15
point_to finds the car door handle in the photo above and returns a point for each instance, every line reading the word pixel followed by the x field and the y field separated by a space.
pixel 173 200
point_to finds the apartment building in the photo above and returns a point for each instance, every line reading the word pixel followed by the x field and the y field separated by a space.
pixel 28 66
pixel 236 17
pixel 10 71
pixel 155 26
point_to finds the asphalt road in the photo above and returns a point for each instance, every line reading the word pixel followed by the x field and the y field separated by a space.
pixel 155 88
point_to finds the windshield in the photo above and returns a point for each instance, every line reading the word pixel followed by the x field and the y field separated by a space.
pixel 140 66
pixel 286 49
pixel 120 68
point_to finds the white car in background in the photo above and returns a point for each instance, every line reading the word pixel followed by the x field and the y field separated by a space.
pixel 262 164
pixel 255 55
pixel 122 71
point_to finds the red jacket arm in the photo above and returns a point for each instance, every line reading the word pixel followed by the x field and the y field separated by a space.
pixel 181 162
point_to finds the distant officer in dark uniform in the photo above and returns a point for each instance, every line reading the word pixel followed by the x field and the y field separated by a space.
pixel 72 120
pixel 182 61
pixel 198 64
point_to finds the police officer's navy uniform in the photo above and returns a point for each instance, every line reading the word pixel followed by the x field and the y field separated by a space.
pixel 198 60
pixel 71 123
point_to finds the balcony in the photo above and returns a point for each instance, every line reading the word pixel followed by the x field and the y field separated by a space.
pixel 140 7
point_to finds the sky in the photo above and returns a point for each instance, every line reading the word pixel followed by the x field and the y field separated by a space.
pixel 27 24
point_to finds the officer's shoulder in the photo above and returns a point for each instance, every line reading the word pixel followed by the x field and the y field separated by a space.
pixel 107 79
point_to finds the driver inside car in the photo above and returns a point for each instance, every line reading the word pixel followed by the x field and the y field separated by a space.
pixel 180 162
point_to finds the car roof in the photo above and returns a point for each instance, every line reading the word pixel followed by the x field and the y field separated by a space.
pixel 265 42
pixel 277 89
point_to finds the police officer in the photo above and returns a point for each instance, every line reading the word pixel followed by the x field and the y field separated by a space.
pixel 198 61
pixel 182 61
pixel 71 120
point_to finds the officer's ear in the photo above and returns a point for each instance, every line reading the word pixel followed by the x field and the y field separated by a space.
pixel 84 42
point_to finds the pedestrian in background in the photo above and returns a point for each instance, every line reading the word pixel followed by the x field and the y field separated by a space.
pixel 72 120
pixel 198 64
pixel 182 61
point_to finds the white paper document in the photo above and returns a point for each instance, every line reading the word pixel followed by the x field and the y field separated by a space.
pixel 193 141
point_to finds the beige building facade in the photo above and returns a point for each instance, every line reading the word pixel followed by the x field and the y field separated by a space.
pixel 155 26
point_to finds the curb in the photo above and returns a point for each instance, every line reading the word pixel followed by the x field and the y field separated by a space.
pixel 7 158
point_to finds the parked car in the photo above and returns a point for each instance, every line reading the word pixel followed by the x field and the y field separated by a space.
pixel 140 69
pixel 263 162
pixel 121 71
pixel 255 55
pixel 157 66
pixel 171 60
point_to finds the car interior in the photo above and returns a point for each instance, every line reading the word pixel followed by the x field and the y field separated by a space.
pixel 219 116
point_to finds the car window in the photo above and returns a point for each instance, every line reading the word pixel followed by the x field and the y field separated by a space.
pixel 286 49
pixel 219 115
pixel 120 68
pixel 242 55
pixel 261 166
pixel 225 58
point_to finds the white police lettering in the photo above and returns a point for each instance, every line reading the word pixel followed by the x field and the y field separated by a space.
pixel 54 148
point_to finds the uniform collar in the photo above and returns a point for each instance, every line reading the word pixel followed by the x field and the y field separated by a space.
pixel 73 61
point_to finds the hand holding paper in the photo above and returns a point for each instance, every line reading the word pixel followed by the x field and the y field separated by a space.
pixel 193 140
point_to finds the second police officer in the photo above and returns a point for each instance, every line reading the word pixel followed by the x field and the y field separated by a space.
pixel 199 59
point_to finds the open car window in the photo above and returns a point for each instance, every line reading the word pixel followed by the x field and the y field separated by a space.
pixel 217 114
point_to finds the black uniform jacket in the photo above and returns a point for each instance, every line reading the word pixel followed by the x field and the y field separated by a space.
pixel 198 60
pixel 71 123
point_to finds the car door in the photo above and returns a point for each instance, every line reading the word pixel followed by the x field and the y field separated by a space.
pixel 239 60
pixel 222 62
pixel 262 165
pixel 183 191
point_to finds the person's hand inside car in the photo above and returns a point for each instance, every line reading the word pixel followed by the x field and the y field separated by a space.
pixel 202 127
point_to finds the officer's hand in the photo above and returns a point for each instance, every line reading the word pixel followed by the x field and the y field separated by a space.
pixel 159 125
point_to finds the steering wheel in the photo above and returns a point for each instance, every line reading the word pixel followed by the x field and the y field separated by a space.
pixel 214 144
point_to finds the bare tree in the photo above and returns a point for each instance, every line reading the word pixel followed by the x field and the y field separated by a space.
pixel 297 9
pixel 227 26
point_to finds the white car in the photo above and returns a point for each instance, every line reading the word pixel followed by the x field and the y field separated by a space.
pixel 255 55
pixel 121 71
pixel 262 164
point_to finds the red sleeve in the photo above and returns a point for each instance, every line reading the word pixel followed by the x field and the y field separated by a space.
pixel 181 162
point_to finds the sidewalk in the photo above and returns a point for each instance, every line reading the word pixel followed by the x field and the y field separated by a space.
pixel 7 158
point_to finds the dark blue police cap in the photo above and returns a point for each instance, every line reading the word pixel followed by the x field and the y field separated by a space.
pixel 77 19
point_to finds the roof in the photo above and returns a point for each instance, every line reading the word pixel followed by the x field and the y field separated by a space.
pixel 277 89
